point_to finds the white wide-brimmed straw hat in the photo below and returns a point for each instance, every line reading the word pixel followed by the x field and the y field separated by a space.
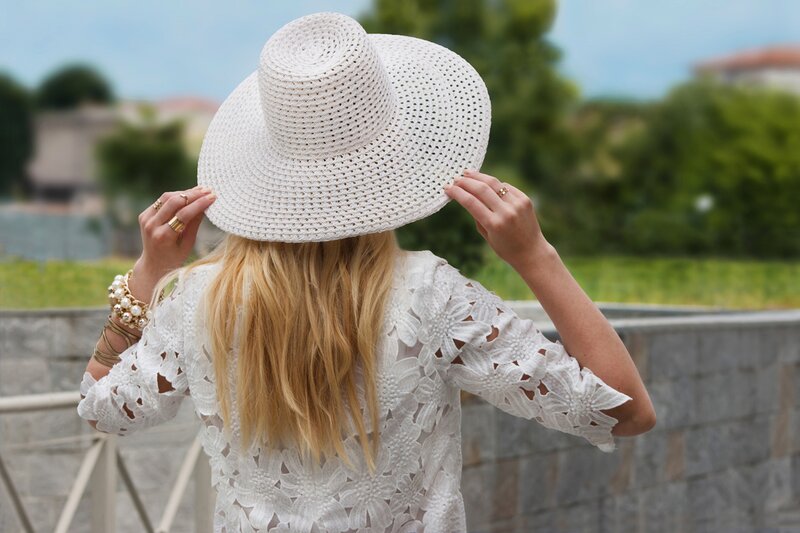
pixel 341 133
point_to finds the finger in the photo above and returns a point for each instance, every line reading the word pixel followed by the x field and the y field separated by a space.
pixel 488 179
pixel 175 203
pixel 189 234
pixel 495 184
pixel 194 211
pixel 473 205
pixel 150 213
pixel 481 230
pixel 483 192
pixel 189 215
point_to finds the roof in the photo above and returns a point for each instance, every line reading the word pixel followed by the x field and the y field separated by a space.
pixel 187 103
pixel 784 56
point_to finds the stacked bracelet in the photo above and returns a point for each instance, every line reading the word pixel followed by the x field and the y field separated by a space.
pixel 133 312
pixel 110 359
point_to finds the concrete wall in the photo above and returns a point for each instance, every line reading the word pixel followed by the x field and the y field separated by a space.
pixel 68 232
pixel 41 236
pixel 43 351
pixel 724 456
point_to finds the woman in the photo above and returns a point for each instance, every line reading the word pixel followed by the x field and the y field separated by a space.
pixel 325 362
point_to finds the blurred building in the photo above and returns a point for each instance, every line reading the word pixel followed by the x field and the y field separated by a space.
pixel 776 66
pixel 66 219
pixel 196 114
pixel 63 164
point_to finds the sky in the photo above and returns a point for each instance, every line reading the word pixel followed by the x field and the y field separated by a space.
pixel 157 49
pixel 640 48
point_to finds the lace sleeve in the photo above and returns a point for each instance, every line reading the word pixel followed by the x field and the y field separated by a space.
pixel 479 344
pixel 127 399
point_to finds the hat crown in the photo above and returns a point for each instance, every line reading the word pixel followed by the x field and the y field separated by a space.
pixel 323 88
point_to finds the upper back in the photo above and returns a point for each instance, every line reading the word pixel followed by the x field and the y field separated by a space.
pixel 406 307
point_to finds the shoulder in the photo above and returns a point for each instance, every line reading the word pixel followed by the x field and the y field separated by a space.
pixel 420 266
pixel 191 287
pixel 435 269
pixel 202 273
pixel 192 280
pixel 432 279
pixel 422 259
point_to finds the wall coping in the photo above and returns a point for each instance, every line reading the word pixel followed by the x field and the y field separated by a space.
pixel 696 318
pixel 517 304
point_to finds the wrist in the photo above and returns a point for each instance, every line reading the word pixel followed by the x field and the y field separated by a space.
pixel 146 267
pixel 143 279
pixel 535 258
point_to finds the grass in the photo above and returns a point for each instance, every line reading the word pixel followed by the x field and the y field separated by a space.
pixel 736 284
pixel 740 284
pixel 35 285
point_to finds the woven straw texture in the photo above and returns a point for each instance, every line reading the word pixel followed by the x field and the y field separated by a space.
pixel 341 133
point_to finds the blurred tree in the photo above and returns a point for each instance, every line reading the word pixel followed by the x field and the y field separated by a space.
pixel 504 41
pixel 139 162
pixel 71 85
pixel 717 169
pixel 16 135
pixel 584 212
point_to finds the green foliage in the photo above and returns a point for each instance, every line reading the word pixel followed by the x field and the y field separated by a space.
pixel 142 160
pixel 504 41
pixel 738 146
pixel 72 85
pixel 582 214
pixel 16 134
pixel 710 169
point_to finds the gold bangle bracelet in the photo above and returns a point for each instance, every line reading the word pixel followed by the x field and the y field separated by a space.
pixel 130 337
pixel 105 359
pixel 110 346
pixel 109 359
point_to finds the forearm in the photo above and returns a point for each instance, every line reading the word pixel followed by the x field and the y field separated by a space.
pixel 141 286
pixel 587 335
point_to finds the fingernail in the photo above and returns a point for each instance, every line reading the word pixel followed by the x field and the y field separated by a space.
pixel 467 171
pixel 447 185
pixel 213 196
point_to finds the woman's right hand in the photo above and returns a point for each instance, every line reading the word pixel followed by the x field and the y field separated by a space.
pixel 508 223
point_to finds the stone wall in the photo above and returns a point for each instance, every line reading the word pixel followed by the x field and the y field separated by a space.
pixel 724 456
pixel 44 351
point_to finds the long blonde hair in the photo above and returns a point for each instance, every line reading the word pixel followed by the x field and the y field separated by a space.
pixel 313 311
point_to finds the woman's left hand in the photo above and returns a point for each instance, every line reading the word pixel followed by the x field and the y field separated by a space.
pixel 163 248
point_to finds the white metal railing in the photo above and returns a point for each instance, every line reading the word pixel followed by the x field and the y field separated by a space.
pixel 98 472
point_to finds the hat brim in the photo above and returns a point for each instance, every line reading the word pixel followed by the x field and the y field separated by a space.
pixel 440 126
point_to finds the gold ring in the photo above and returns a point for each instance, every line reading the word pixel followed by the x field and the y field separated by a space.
pixel 185 197
pixel 176 224
pixel 158 204
pixel 502 192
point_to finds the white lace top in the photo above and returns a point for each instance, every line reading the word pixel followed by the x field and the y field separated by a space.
pixel 434 343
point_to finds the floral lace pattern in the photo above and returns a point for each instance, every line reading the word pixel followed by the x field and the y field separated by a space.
pixel 443 332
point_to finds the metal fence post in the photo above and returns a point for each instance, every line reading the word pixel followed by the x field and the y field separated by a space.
pixel 104 488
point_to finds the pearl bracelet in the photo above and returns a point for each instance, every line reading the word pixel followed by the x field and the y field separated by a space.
pixel 133 312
